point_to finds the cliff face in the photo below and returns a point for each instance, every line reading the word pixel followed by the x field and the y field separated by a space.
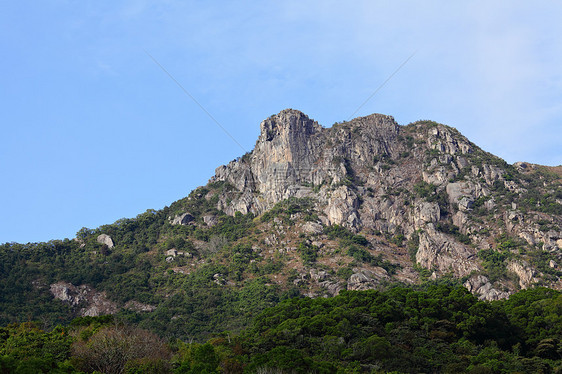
pixel 424 184
pixel 283 160
pixel 296 157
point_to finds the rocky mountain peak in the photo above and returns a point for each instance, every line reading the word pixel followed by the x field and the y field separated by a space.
pixel 287 125
pixel 381 123
pixel 287 137
pixel 424 183
pixel 294 154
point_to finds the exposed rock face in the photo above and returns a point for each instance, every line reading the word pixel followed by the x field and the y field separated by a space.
pixel 105 239
pixel 342 208
pixel 210 220
pixel 366 279
pixel 139 307
pixel 91 302
pixel 426 213
pixel 294 152
pixel 424 183
pixel 524 272
pixel 313 228
pixel 481 286
pixel 438 251
pixel 182 219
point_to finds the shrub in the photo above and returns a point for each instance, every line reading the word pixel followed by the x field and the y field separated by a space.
pixel 308 252
pixel 112 349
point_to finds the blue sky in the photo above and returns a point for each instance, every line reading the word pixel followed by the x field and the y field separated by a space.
pixel 93 130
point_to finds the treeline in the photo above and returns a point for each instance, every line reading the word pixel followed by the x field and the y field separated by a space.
pixel 438 329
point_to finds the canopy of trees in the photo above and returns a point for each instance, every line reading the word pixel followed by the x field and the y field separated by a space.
pixel 439 329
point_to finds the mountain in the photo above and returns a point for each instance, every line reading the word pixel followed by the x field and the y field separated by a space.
pixel 424 187
pixel 364 204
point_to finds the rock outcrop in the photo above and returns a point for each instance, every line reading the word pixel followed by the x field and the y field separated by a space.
pixel 365 279
pixel 182 219
pixel 88 301
pixel 440 252
pixel 525 274
pixel 482 287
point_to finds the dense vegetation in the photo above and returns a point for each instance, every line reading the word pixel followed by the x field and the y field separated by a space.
pixel 437 329
pixel 184 288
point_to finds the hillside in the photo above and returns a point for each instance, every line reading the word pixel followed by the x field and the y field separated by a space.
pixel 312 211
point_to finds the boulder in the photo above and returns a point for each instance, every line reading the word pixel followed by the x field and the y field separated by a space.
pixel 105 239
pixel 318 275
pixel 465 203
pixel 172 252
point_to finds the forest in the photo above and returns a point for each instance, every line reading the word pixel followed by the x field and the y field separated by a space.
pixel 435 328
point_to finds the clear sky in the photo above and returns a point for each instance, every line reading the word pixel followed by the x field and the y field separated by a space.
pixel 93 130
